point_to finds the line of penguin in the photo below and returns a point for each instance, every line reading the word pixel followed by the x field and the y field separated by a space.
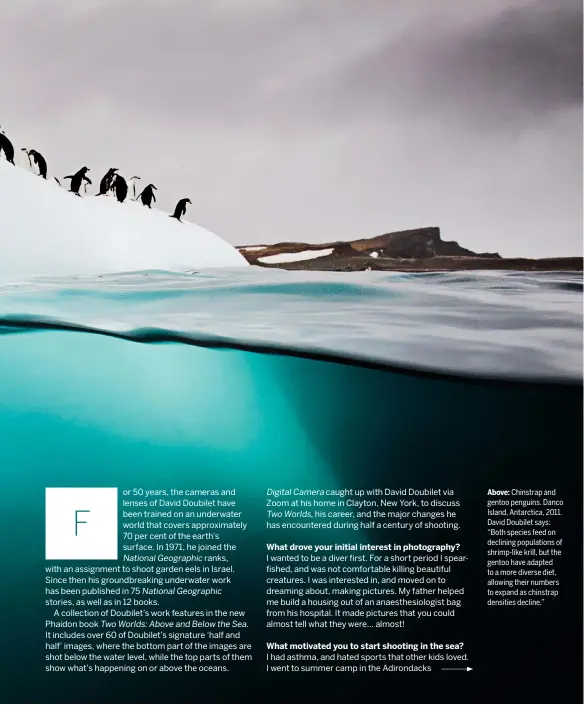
pixel 112 182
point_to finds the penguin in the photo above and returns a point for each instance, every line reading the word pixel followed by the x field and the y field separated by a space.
pixel 180 209
pixel 77 179
pixel 147 195
pixel 40 161
pixel 6 147
pixel 106 183
pixel 25 150
pixel 133 180
pixel 121 188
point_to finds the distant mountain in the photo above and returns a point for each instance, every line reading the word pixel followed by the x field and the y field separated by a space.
pixel 420 243
pixel 421 249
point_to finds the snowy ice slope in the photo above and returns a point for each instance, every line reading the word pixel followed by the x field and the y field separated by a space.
pixel 47 231
pixel 296 256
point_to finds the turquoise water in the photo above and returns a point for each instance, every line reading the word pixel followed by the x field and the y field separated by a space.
pixel 255 379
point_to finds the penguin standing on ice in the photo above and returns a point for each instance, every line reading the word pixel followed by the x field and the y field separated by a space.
pixel 180 209
pixel 77 179
pixel 105 185
pixel 6 147
pixel 133 180
pixel 121 188
pixel 40 161
pixel 147 195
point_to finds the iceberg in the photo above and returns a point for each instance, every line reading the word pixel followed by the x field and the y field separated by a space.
pixel 47 231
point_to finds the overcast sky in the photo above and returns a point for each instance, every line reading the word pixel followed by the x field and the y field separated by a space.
pixel 315 120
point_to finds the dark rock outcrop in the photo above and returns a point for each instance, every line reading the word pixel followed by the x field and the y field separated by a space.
pixel 343 249
pixel 419 250
pixel 420 243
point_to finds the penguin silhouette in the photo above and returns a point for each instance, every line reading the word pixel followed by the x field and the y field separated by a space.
pixel 121 188
pixel 180 209
pixel 147 195
pixel 7 148
pixel 105 185
pixel 133 180
pixel 40 161
pixel 77 179
pixel 25 150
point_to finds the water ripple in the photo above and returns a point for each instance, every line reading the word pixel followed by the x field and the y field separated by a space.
pixel 493 324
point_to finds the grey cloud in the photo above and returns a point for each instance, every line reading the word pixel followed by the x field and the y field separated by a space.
pixel 503 71
pixel 527 59
pixel 304 119
pixel 295 65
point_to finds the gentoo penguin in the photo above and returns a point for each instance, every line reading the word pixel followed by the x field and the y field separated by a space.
pixel 7 148
pixel 180 209
pixel 147 195
pixel 77 179
pixel 40 161
pixel 121 188
pixel 105 184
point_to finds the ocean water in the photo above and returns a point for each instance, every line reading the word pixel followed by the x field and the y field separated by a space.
pixel 266 378
pixel 488 324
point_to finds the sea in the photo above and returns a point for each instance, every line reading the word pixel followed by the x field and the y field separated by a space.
pixel 256 372
pixel 252 380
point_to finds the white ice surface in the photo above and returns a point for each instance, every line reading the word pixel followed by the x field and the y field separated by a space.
pixel 296 256
pixel 47 231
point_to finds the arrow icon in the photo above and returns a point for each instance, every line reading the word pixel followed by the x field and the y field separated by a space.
pixel 468 668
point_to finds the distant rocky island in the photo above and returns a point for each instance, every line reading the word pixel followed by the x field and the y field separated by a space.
pixel 419 250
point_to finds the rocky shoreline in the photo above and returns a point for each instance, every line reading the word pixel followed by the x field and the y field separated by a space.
pixel 420 250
